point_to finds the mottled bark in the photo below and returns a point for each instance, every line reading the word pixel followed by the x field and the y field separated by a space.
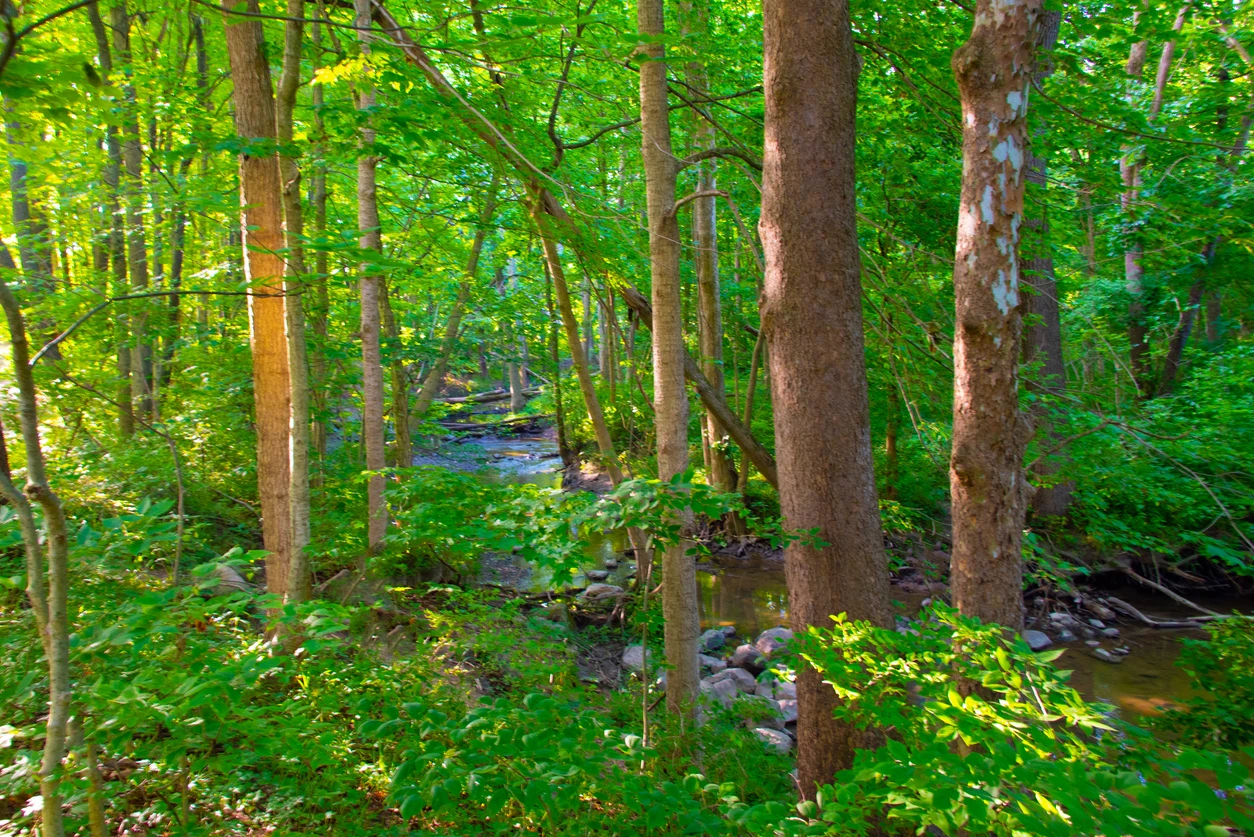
pixel 987 486
pixel 371 363
pixel 261 199
pixel 812 317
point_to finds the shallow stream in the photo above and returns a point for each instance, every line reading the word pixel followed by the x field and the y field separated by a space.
pixel 751 595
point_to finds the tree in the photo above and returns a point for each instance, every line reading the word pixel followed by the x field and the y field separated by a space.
pixel 812 315
pixel 261 200
pixel 987 486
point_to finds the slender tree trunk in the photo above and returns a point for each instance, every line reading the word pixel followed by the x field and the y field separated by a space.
pixel 563 447
pixel 371 364
pixel 986 470
pixel 295 283
pixel 812 317
pixel 320 305
pixel 402 448
pixel 51 611
pixel 670 399
pixel 261 199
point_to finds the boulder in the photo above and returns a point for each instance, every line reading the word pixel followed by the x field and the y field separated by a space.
pixel 713 664
pixel 633 657
pixel 1097 624
pixel 748 658
pixel 597 593
pixel 1066 636
pixel 778 741
pixel 597 575
pixel 743 680
pixel 777 690
pixel 611 563
pixel 773 641
pixel 763 712
pixel 788 708
pixel 712 640
pixel 229 580
pixel 722 691
pixel 1111 633
pixel 1037 640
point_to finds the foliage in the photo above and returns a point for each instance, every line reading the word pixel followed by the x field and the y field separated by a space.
pixel 1222 714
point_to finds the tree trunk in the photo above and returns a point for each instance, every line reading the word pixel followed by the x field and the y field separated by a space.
pixel 371 364
pixel 670 400
pixel 320 308
pixel 294 285
pixel 812 317
pixel 261 199
pixel 989 433
pixel 563 447
pixel 51 611
pixel 402 448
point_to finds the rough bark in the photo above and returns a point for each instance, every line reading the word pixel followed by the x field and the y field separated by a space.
pixel 812 316
pixel 261 200
pixel 294 285
pixel 320 305
pixel 987 486
pixel 53 609
pixel 670 400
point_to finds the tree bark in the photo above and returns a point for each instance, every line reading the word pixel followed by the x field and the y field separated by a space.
pixel 990 433
pixel 261 200
pixel 320 308
pixel 812 317
pixel 295 283
pixel 402 447
pixel 670 400
pixel 370 238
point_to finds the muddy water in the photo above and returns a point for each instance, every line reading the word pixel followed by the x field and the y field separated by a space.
pixel 750 594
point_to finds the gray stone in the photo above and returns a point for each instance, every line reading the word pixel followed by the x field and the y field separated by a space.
pixel 1091 643
pixel 611 563
pixel 778 741
pixel 748 658
pixel 230 581
pixel 763 711
pixel 633 657
pixel 1122 651
pixel 597 575
pixel 1037 640
pixel 1105 656
pixel 789 710
pixel 773 641
pixel 1097 624
pixel 777 690
pixel 728 630
pixel 602 593
pixel 1111 633
pixel 744 681
pixel 1099 610
pixel 712 640
pixel 723 691
pixel 714 664
pixel 1066 636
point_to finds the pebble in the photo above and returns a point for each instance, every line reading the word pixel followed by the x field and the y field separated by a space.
pixel 1105 656
pixel 597 575
pixel 1110 633
pixel 1066 636
pixel 1091 643
pixel 1098 624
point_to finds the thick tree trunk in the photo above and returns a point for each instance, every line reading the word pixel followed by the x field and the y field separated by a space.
pixel 294 285
pixel 371 363
pixel 670 400
pixel 261 199
pixel 812 317
pixel 986 479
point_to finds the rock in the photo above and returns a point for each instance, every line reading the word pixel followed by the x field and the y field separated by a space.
pixel 744 681
pixel 778 741
pixel 602 593
pixel 712 640
pixel 777 690
pixel 597 575
pixel 1066 636
pixel 728 630
pixel 1037 640
pixel 1122 651
pixel 230 581
pixel 633 657
pixel 773 641
pixel 1099 610
pixel 1111 633
pixel 788 708
pixel 748 658
pixel 714 664
pixel 1105 656
pixel 611 564
pixel 722 691
pixel 1097 624
pixel 1091 643
pixel 763 711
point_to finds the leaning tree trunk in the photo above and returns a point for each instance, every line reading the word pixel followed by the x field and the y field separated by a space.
pixel 294 285
pixel 670 400
pixel 812 316
pixel 986 479
pixel 261 199
pixel 371 362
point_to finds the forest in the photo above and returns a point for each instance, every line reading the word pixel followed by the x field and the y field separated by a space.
pixel 625 417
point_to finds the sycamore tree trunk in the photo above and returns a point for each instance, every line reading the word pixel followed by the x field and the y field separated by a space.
pixel 294 284
pixel 371 363
pixel 261 197
pixel 670 399
pixel 48 594
pixel 812 316
pixel 987 485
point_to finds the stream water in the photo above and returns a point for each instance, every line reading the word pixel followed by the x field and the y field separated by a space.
pixel 750 594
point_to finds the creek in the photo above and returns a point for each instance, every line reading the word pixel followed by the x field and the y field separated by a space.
pixel 751 595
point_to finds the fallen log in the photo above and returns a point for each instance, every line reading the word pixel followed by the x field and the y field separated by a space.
pixel 713 401
pixel 485 397
pixel 518 421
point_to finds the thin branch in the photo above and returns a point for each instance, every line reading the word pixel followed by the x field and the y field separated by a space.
pixel 708 153
pixel 710 193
